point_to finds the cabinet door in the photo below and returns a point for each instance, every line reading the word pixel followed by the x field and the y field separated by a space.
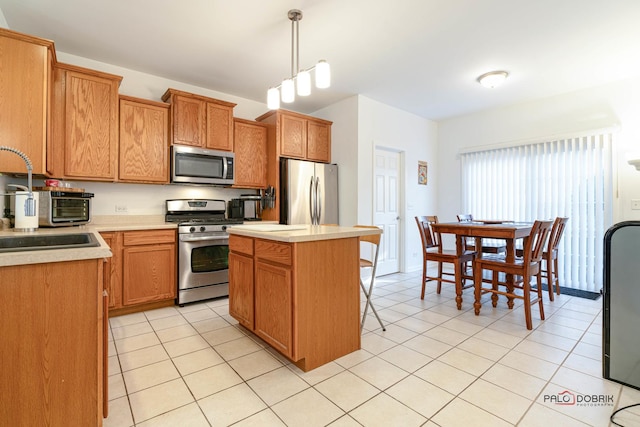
pixel 219 127
pixel 293 136
pixel 111 273
pixel 25 68
pixel 188 118
pixel 318 141
pixel 241 289
pixel 144 130
pixel 148 273
pixel 274 306
pixel 250 148
pixel 91 132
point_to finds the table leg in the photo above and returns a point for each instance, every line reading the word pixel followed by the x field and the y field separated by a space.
pixel 510 259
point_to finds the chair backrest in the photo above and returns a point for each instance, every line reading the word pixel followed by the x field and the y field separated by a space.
pixel 536 242
pixel 426 234
pixel 372 238
pixel 556 233
pixel 465 218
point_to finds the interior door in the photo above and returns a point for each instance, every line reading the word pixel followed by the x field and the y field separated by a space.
pixel 386 208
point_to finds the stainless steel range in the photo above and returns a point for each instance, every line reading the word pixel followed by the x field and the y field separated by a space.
pixel 203 248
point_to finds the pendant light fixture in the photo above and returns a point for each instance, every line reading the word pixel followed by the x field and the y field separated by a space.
pixel 300 80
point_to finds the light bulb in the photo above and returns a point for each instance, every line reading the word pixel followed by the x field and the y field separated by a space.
pixel 323 74
pixel 288 91
pixel 304 83
pixel 273 98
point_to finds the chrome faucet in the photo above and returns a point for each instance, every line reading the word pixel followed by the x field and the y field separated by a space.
pixel 29 203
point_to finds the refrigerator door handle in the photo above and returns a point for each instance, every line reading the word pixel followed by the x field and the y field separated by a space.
pixel 312 207
pixel 318 201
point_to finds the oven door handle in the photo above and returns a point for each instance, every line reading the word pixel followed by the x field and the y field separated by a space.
pixel 204 238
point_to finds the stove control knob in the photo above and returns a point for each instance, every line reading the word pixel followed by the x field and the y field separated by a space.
pixel 224 228
pixel 192 229
pixel 202 228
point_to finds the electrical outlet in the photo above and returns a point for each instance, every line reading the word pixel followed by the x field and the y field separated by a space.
pixel 121 208
pixel 635 204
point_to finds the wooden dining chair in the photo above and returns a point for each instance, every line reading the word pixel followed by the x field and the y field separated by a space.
pixel 432 251
pixel 371 263
pixel 522 269
pixel 488 246
pixel 549 268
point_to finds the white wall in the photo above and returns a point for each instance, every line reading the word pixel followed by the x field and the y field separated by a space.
pixel 596 108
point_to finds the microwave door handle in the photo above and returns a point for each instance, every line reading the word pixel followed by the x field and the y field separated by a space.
pixel 224 167
pixel 318 201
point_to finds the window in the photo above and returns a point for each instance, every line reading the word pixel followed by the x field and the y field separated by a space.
pixel 564 177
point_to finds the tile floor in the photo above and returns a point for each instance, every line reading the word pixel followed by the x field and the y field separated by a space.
pixel 434 366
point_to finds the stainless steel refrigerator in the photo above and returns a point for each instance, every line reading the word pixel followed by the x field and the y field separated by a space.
pixel 308 192
pixel 621 322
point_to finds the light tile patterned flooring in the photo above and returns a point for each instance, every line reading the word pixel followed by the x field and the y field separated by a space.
pixel 434 366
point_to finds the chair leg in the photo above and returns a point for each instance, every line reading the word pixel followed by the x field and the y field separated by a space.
pixel 494 286
pixel 539 277
pixel 550 278
pixel 526 290
pixel 369 304
pixel 439 288
pixel 424 276
pixel 555 276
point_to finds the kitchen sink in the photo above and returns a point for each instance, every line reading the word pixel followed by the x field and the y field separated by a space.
pixel 47 242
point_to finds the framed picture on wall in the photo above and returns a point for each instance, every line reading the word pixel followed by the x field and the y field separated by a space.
pixel 422 172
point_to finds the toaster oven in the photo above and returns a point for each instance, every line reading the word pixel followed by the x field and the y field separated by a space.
pixel 64 208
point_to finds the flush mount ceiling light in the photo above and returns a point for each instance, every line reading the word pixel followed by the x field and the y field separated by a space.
pixel 493 78
pixel 300 79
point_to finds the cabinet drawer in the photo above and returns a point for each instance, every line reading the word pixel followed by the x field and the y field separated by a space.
pixel 150 237
pixel 243 245
pixel 273 251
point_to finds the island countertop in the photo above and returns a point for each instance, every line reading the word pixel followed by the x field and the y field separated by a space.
pixel 300 233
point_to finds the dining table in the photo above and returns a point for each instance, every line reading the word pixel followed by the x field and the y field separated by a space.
pixel 510 231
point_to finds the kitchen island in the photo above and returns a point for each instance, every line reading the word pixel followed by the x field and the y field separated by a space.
pixel 297 288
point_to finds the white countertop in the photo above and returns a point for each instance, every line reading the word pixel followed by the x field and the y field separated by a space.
pixel 300 233
pixel 54 255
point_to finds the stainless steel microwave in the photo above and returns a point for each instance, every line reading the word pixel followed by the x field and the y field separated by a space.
pixel 191 165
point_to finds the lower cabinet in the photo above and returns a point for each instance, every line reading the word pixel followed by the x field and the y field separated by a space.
pixel 301 298
pixel 52 344
pixel 142 271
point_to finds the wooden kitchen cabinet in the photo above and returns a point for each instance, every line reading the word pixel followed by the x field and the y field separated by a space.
pixel 250 148
pixel 142 274
pixel 84 143
pixel 52 344
pixel 304 298
pixel 200 121
pixel 292 135
pixel 25 88
pixel 300 136
pixel 144 135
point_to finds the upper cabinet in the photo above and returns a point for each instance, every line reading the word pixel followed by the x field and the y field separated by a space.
pixel 25 71
pixel 85 124
pixel 250 148
pixel 200 121
pixel 299 136
pixel 144 135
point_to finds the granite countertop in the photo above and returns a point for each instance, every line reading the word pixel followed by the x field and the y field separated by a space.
pixel 300 233
pixel 97 225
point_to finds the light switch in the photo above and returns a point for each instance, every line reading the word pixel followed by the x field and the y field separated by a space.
pixel 635 204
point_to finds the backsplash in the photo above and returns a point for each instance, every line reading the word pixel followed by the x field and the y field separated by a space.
pixel 136 199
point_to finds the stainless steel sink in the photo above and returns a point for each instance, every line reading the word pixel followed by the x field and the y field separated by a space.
pixel 47 242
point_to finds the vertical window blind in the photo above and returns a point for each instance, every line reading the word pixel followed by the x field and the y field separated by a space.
pixel 565 177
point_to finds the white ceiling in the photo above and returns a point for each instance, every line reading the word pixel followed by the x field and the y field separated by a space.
pixel 421 56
